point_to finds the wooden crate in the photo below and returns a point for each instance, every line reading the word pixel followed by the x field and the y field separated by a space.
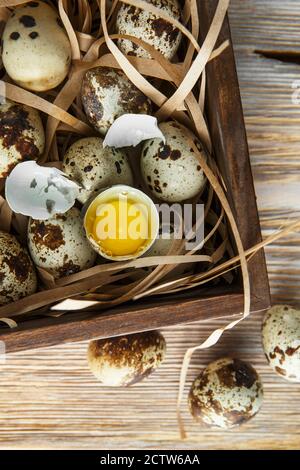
pixel 226 123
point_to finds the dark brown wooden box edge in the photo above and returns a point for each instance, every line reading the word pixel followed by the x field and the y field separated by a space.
pixel 225 115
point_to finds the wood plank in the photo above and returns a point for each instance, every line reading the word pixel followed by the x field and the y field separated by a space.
pixel 49 399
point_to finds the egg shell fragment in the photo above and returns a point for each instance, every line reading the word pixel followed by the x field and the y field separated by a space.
pixel 131 129
pixel 172 171
pixel 126 360
pixel 107 94
pixel 60 245
pixel 281 341
pixel 227 393
pixel 39 191
pixel 22 135
pixel 152 29
pixel 94 167
pixel 17 274
pixel 36 50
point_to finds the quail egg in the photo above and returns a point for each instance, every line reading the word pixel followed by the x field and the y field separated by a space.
pixel 226 394
pixel 152 29
pixel 21 135
pixel 281 341
pixel 94 167
pixel 36 51
pixel 59 244
pixel 108 94
pixel 172 171
pixel 17 273
pixel 125 360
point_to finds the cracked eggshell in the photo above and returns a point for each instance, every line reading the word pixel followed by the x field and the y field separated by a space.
pixel 126 360
pixel 152 29
pixel 172 171
pixel 107 94
pixel 22 135
pixel 17 274
pixel 38 191
pixel 227 393
pixel 131 129
pixel 94 167
pixel 281 341
pixel 60 245
pixel 36 50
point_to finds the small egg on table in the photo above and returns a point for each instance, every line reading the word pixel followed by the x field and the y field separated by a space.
pixel 227 393
pixel 125 360
pixel 281 341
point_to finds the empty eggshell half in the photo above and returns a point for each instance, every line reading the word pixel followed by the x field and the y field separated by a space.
pixel 94 167
pixel 131 129
pixel 36 49
pixel 39 192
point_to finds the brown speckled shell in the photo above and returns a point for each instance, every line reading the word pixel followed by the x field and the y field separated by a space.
pixel 17 273
pixel 125 360
pixel 152 29
pixel 108 94
pixel 60 245
pixel 93 167
pixel 171 170
pixel 21 135
pixel 281 341
pixel 226 394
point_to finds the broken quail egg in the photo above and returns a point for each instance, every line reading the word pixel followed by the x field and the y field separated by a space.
pixel 21 135
pixel 125 360
pixel 227 393
pixel 107 94
pixel 171 170
pixel 94 167
pixel 59 244
pixel 17 274
pixel 36 51
pixel 281 341
pixel 152 29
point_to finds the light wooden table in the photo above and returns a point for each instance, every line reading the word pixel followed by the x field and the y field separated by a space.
pixel 48 398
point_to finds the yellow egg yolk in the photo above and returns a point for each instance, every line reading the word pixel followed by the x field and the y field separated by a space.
pixel 120 227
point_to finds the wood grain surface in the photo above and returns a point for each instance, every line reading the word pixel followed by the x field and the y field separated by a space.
pixel 49 399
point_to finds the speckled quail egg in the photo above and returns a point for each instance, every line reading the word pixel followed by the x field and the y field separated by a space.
pixel 21 135
pixel 281 341
pixel 227 393
pixel 172 171
pixel 125 360
pixel 60 245
pixel 36 50
pixel 152 29
pixel 17 273
pixel 94 167
pixel 107 94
